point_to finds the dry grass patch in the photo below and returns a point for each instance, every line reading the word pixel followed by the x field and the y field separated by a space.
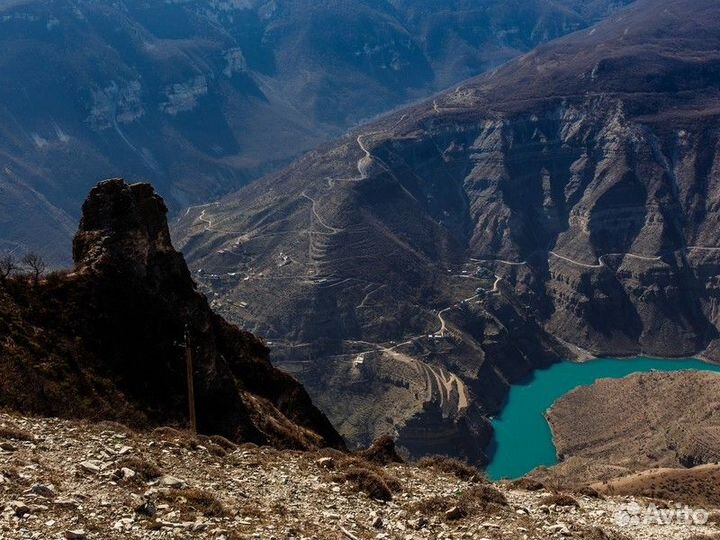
pixel 526 484
pixel 699 486
pixel 367 481
pixel 16 434
pixel 227 444
pixel 484 496
pixel 382 452
pixel 477 500
pixel 435 505
pixel 145 469
pixel 453 466
pixel 589 491
pixel 196 500
pixel 358 463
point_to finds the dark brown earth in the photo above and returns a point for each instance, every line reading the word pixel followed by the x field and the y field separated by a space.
pixel 561 206
pixel 105 341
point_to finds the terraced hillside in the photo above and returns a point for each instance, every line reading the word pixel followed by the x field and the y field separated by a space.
pixel 561 206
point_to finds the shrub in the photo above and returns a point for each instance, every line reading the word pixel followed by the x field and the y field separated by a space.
pixel 359 463
pixel 369 482
pixel 199 500
pixel 526 484
pixel 145 469
pixel 435 505
pixel 458 468
pixel 382 452
pixel 11 432
pixel 589 491
pixel 224 443
pixel 484 496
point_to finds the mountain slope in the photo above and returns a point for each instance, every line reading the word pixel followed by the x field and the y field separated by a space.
pixel 251 492
pixel 561 206
pixel 200 97
pixel 639 422
pixel 105 341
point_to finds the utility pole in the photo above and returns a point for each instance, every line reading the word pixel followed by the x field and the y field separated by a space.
pixel 190 380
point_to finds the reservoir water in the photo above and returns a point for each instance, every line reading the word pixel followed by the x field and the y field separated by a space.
pixel 522 435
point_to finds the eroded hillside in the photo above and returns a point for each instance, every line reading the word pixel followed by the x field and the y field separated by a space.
pixel 561 206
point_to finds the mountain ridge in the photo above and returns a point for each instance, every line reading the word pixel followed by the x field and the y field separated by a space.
pixel 446 230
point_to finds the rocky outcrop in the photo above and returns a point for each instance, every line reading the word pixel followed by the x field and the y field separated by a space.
pixel 107 340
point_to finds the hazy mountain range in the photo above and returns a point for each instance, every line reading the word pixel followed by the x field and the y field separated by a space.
pixel 199 97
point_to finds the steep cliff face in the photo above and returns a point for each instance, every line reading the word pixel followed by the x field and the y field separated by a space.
pixel 105 341
pixel 610 213
pixel 561 206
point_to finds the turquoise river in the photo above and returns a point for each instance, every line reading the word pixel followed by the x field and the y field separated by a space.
pixel 522 435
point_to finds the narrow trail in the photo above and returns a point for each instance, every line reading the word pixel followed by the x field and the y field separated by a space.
pixel 577 263
pixel 333 230
pixel 443 325
pixel 601 263
pixel 189 208
pixel 501 261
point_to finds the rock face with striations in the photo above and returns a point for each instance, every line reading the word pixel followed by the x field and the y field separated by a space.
pixel 106 340
pixel 564 205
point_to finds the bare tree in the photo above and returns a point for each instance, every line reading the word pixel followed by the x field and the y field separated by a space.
pixel 36 264
pixel 8 266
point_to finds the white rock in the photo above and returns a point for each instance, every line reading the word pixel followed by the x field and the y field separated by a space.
pixel 171 482
pixel 93 467
pixel 124 524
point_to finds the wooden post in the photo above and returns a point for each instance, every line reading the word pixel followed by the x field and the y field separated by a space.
pixel 190 381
